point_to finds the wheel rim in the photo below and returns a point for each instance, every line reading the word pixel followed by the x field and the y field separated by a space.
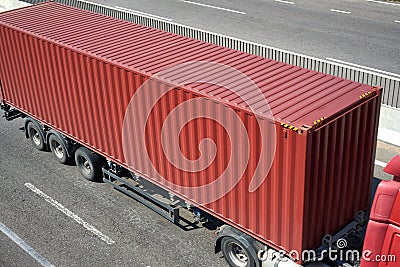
pixel 237 254
pixel 58 149
pixel 35 137
pixel 84 164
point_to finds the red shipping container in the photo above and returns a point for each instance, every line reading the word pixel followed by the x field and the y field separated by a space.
pixel 88 76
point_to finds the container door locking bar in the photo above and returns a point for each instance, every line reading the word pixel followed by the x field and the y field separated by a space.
pixel 167 211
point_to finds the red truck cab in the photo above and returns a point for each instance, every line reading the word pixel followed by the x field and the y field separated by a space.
pixel 382 240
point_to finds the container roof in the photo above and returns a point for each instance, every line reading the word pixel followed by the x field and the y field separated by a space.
pixel 295 95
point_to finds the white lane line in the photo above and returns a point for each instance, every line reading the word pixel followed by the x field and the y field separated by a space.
pixel 28 249
pixel 386 3
pixel 380 163
pixel 220 8
pixel 398 21
pixel 340 11
pixel 286 2
pixel 363 67
pixel 70 214
pixel 124 9
pixel 141 13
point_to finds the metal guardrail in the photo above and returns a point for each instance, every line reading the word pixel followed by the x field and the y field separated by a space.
pixel 391 85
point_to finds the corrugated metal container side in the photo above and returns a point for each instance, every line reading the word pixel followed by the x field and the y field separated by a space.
pixel 339 170
pixel 77 72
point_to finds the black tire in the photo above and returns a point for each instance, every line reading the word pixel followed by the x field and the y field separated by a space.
pixel 89 164
pixel 36 136
pixel 58 149
pixel 235 253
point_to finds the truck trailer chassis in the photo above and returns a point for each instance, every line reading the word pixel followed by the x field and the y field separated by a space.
pixel 325 127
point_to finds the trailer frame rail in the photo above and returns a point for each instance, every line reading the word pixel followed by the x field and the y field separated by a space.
pixel 169 212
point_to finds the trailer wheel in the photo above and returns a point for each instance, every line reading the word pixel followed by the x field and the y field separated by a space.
pixel 89 164
pixel 58 149
pixel 235 253
pixel 36 137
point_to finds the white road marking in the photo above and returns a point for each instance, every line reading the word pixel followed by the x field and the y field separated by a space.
pixel 386 3
pixel 340 11
pixel 380 163
pixel 286 2
pixel 70 214
pixel 220 8
pixel 141 13
pixel 28 249
pixel 363 67
pixel 398 21
pixel 126 10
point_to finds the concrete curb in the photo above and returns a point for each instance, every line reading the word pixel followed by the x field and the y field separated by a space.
pixel 389 125
pixel 6 5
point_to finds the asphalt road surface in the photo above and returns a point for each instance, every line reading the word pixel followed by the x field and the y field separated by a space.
pixel 364 32
pixel 140 236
